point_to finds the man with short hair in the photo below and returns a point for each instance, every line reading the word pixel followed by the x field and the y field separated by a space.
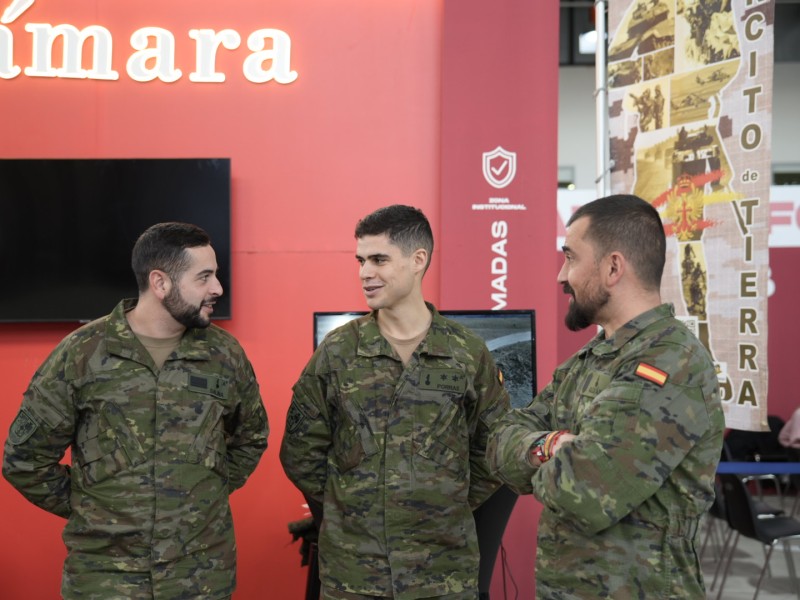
pixel 622 446
pixel 387 431
pixel 163 416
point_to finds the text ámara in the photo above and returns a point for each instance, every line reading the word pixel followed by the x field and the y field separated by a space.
pixel 153 54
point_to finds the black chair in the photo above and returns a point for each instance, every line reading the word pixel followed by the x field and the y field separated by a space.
pixel 794 479
pixel 718 516
pixel 491 518
pixel 757 446
pixel 744 521
pixel 717 531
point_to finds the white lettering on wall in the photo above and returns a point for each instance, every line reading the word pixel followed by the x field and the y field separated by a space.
pixel 499 265
pixel 73 39
pixel 279 55
pixel 161 56
pixel 7 68
pixel 14 10
pixel 153 57
pixel 208 41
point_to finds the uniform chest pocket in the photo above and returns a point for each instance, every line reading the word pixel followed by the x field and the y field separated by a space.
pixel 441 431
pixel 105 444
pixel 209 446
pixel 348 451
pixel 357 393
pixel 612 415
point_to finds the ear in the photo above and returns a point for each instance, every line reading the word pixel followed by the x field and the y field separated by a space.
pixel 615 267
pixel 419 260
pixel 160 283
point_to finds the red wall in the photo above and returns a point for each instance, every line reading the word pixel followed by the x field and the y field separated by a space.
pixel 358 129
pixel 784 331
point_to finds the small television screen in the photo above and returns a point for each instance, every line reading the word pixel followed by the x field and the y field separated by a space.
pixel 510 336
pixel 69 225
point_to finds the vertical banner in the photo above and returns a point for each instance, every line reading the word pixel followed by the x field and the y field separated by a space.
pixel 690 98
pixel 499 161
pixel 499 180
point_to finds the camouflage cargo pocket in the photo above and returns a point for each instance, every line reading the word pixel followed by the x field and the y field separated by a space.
pixel 446 439
pixel 105 445
pixel 445 456
pixel 347 449
pixel 215 456
pixel 613 414
pixel 209 446
pixel 353 439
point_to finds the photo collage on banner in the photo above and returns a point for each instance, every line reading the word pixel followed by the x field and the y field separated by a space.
pixel 690 97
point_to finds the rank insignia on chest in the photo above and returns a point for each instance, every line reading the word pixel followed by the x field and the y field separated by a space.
pixel 443 380
pixel 650 373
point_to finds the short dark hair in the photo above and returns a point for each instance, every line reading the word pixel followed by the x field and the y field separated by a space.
pixel 631 225
pixel 163 246
pixel 407 227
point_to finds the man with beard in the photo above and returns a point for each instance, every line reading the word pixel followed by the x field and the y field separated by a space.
pixel 162 414
pixel 621 448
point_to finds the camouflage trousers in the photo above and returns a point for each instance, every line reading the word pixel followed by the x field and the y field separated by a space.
pixel 332 594
pixel 96 585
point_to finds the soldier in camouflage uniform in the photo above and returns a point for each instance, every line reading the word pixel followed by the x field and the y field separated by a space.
pixel 622 446
pixel 387 431
pixel 162 413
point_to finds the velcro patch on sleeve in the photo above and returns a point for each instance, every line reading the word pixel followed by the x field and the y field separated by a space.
pixel 22 428
pixel 650 373
pixel 295 418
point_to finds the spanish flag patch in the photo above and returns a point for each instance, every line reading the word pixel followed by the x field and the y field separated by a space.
pixel 657 376
pixel 500 377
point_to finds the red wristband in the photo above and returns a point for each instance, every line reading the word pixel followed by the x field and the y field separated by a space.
pixel 543 447
pixel 538 448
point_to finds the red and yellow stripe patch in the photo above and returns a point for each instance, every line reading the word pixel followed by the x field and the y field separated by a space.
pixel 650 373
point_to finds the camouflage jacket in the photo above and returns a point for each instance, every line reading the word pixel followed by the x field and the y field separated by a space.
pixel 623 499
pixel 155 455
pixel 396 455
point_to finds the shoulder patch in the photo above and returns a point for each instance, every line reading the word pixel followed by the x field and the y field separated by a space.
pixel 295 418
pixel 650 373
pixel 22 428
pixel 500 377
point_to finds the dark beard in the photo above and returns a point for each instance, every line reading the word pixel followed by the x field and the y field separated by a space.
pixel 581 315
pixel 184 313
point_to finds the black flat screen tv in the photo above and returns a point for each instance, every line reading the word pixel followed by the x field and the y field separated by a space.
pixel 68 227
pixel 510 336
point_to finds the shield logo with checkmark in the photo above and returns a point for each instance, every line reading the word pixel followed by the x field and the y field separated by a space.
pixel 499 167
